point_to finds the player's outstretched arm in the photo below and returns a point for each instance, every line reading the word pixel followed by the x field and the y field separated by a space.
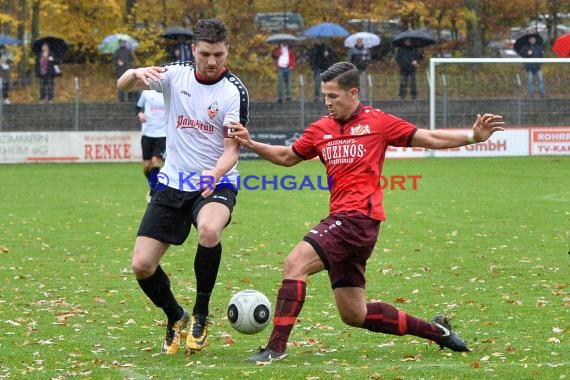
pixel 483 128
pixel 137 79
pixel 277 154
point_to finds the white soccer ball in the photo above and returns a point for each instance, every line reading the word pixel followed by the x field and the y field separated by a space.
pixel 249 311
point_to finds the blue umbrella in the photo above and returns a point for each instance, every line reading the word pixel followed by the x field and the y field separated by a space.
pixel 7 40
pixel 326 29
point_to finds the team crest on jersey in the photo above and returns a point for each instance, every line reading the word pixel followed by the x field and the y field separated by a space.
pixel 213 110
pixel 360 130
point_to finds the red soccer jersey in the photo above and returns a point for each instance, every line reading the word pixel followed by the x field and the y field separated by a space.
pixel 353 152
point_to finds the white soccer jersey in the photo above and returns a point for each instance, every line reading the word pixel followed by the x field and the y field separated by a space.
pixel 152 104
pixel 196 113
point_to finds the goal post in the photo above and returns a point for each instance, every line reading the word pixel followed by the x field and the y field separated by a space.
pixel 502 84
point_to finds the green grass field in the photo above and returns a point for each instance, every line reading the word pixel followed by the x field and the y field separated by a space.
pixel 484 240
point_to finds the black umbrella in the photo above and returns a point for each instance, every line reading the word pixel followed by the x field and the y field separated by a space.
pixel 522 41
pixel 419 38
pixel 57 45
pixel 177 32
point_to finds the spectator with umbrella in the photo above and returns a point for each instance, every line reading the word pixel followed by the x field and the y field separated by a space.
pixel 180 49
pixel 408 58
pixel 6 59
pixel 48 50
pixel 532 46
pixel 409 55
pixel 360 55
pixel 47 68
pixel 284 60
pixel 123 59
pixel 321 57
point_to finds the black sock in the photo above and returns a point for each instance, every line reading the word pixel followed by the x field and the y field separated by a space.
pixel 152 179
pixel 154 170
pixel 157 289
pixel 206 264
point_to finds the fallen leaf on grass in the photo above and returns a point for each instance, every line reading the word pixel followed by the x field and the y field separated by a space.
pixel 123 365
pixel 412 358
pixel 401 300
pixel 475 365
pixel 228 340
pixel 541 302
pixel 63 317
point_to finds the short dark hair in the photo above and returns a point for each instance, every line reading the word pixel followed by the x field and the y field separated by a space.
pixel 345 73
pixel 210 30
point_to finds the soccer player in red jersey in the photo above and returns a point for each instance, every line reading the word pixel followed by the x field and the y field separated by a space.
pixel 352 139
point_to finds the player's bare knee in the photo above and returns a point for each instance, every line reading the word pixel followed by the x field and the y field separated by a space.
pixel 208 236
pixel 351 318
pixel 291 269
pixel 142 269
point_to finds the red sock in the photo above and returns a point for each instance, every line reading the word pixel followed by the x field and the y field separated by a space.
pixel 384 318
pixel 290 299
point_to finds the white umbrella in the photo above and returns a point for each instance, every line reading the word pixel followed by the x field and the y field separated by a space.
pixel 368 39
pixel 281 37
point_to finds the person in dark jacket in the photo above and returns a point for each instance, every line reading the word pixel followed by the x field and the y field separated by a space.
pixel 533 50
pixel 408 58
pixel 321 57
pixel 47 69
pixel 359 56
pixel 6 60
pixel 123 59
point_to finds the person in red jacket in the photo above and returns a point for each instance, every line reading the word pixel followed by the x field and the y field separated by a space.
pixel 284 59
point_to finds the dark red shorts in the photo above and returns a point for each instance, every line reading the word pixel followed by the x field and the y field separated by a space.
pixel 344 242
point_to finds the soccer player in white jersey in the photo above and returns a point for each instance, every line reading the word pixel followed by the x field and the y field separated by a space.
pixel 201 100
pixel 150 112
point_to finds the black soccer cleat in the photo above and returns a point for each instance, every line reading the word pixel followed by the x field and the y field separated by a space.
pixel 448 338
pixel 267 355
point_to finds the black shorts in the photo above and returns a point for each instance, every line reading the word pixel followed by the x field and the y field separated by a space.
pixel 153 147
pixel 344 242
pixel 171 212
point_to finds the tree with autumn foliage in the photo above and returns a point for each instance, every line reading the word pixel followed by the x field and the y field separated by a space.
pixel 84 24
